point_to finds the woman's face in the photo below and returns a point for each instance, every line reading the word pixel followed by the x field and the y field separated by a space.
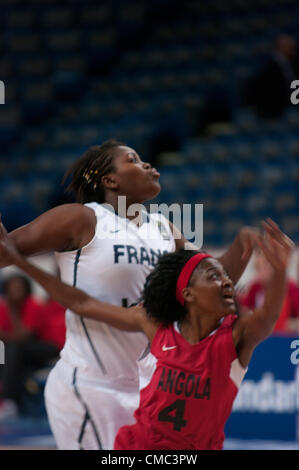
pixel 135 179
pixel 212 290
pixel 16 291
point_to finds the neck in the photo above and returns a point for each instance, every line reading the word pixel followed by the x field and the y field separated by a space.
pixel 194 328
pixel 121 206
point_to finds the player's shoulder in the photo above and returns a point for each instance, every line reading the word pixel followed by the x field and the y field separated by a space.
pixel 164 333
pixel 76 220
pixel 73 212
pixel 70 209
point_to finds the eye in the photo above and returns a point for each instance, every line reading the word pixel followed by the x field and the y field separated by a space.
pixel 213 276
pixel 133 159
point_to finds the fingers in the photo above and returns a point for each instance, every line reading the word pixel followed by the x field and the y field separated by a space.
pixel 274 252
pixel 275 245
pixel 248 241
pixel 261 242
pixel 2 230
pixel 273 230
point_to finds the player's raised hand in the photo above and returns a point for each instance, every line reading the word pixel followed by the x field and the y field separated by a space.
pixel 8 251
pixel 276 245
pixel 248 239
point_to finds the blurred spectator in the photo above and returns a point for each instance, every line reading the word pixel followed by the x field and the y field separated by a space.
pixel 288 321
pixel 269 90
pixel 53 330
pixel 29 341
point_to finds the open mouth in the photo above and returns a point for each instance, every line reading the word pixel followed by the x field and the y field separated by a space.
pixel 229 298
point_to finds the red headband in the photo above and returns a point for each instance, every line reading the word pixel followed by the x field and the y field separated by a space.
pixel 186 273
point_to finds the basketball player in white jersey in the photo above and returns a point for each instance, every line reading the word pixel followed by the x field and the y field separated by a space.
pixel 93 389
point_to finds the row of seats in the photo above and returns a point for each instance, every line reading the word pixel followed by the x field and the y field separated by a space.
pixel 76 75
pixel 231 193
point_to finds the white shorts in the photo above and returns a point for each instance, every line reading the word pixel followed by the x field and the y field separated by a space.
pixel 86 412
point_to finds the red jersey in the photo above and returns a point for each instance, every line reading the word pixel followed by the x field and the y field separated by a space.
pixel 53 330
pixel 45 321
pixel 187 392
pixel 31 316
pixel 254 298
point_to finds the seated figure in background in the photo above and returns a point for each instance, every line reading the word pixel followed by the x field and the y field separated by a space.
pixel 27 328
pixel 288 321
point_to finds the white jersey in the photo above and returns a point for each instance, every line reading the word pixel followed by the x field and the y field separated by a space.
pixel 113 268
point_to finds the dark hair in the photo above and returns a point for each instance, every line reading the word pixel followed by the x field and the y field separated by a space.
pixel 87 171
pixel 159 295
pixel 26 283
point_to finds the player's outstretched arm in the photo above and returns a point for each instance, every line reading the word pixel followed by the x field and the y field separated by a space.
pixel 128 319
pixel 236 258
pixel 253 328
pixel 66 227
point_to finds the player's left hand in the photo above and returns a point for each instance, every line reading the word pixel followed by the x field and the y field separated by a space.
pixel 276 246
pixel 8 251
pixel 249 239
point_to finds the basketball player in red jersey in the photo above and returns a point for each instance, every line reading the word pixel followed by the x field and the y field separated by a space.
pixel 200 348
pixel 93 389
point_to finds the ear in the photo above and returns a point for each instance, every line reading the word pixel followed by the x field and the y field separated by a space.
pixel 109 181
pixel 187 294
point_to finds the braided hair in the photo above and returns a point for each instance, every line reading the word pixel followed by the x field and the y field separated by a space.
pixel 159 295
pixel 88 170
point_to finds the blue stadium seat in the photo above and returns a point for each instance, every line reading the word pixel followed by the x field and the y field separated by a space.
pixel 135 71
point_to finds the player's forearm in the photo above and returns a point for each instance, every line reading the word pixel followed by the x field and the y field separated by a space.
pixel 274 296
pixel 14 235
pixel 64 294
pixel 268 314
pixel 233 260
pixel 78 301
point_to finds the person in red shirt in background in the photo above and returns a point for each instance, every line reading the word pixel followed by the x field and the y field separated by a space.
pixel 33 334
pixel 53 330
pixel 288 321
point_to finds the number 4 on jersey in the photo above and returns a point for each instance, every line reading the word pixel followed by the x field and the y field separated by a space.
pixel 177 417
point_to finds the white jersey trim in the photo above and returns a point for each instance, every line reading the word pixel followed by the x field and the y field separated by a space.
pixel 147 367
pixel 237 372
